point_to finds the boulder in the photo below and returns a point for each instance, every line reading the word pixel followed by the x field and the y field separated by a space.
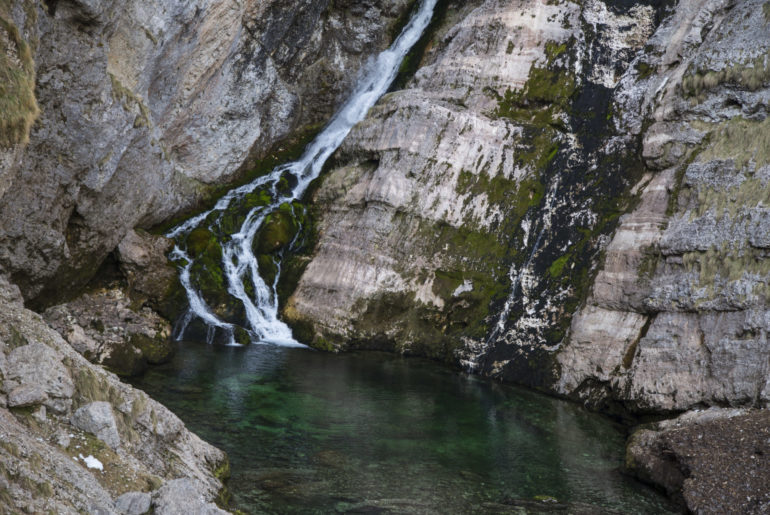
pixel 98 419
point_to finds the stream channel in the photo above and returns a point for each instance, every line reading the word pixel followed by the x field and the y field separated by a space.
pixel 310 432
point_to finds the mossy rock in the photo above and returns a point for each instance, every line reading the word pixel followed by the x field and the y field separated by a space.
pixel 276 233
pixel 125 360
pixel 155 350
pixel 200 240
pixel 279 229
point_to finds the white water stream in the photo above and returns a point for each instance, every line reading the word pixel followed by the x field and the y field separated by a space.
pixel 239 264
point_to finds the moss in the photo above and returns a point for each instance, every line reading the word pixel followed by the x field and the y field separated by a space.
pixel 540 107
pixel 199 241
pixel 648 264
pixel 644 70
pixel 739 139
pixel 18 105
pixel 6 499
pixel 15 338
pixel 277 231
pixel 726 263
pixel 155 350
pixel 44 489
pixel 557 267
pixel 91 387
pixel 11 448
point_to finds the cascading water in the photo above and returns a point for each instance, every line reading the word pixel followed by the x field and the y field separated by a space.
pixel 240 266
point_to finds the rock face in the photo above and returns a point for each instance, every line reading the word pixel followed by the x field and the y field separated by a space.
pixel 678 315
pixel 108 328
pixel 465 214
pixel 57 410
pixel 569 197
pixel 714 461
pixel 147 105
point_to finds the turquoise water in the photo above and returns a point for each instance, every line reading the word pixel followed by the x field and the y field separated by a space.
pixel 309 432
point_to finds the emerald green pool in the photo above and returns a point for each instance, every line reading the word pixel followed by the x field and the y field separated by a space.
pixel 309 432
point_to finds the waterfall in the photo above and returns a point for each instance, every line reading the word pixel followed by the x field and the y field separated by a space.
pixel 239 264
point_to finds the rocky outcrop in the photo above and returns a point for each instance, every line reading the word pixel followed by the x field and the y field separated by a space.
pixel 74 439
pixel 108 328
pixel 713 461
pixel 147 106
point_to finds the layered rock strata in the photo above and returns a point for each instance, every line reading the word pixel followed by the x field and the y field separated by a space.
pixel 464 215
pixel 677 318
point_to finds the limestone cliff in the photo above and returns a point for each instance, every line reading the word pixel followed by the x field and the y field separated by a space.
pixel 678 315
pixel 465 215
pixel 146 106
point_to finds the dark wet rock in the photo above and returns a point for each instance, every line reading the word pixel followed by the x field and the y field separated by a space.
pixel 714 461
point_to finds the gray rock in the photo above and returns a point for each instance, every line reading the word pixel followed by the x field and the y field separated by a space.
pixel 677 317
pixel 143 262
pixel 39 366
pixel 133 503
pixel 44 360
pixel 97 418
pixel 182 497
pixel 26 395
pixel 713 461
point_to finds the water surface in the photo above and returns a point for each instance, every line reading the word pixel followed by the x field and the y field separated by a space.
pixel 309 432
